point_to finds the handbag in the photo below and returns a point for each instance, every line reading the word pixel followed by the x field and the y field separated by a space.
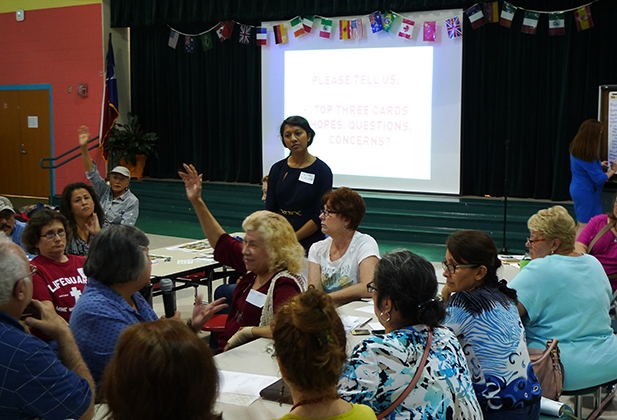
pixel 549 369
pixel 413 382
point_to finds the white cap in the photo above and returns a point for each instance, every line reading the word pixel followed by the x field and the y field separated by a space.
pixel 121 170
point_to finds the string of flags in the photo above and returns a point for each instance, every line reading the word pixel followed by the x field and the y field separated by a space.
pixel 391 22
pixel 482 13
pixel 348 29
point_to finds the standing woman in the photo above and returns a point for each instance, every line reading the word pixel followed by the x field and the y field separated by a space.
pixel 80 205
pixel 297 183
pixel 588 176
pixel 483 315
pixel 119 203
pixel 343 263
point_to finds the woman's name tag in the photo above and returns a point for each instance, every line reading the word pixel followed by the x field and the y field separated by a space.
pixel 256 298
pixel 306 177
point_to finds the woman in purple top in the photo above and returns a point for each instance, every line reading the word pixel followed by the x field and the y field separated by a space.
pixel 605 248
pixel 297 183
pixel 588 172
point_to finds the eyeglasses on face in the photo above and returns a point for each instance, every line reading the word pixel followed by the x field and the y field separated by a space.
pixel 371 287
pixel 327 213
pixel 531 240
pixel 451 268
pixel 51 235
pixel 33 271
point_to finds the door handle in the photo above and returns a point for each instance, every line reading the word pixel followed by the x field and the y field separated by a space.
pixel 23 150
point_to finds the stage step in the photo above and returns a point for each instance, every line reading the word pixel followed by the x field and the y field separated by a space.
pixel 396 219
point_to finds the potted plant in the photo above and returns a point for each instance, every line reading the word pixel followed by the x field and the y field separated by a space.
pixel 130 145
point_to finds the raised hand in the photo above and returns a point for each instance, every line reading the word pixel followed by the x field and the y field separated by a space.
pixel 203 312
pixel 93 225
pixel 192 181
pixel 84 135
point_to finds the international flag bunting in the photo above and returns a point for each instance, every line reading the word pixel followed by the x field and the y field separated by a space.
pixel 491 12
pixel 189 44
pixel 296 27
pixel 206 41
pixel 357 31
pixel 307 23
pixel 507 14
pixel 556 23
pixel 280 34
pixel 326 28
pixel 453 26
pixel 530 22
pixel 245 34
pixel 224 30
pixel 582 16
pixel 375 20
pixel 388 20
pixel 344 29
pixel 261 35
pixel 476 17
pixel 430 32
pixel 173 39
pixel 406 28
pixel 110 101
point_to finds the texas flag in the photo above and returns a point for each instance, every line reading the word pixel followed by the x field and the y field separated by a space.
pixel 476 16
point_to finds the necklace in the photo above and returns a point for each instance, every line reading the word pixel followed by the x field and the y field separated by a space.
pixel 314 401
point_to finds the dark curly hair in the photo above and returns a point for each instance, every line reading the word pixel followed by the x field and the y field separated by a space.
pixel 65 205
pixel 39 219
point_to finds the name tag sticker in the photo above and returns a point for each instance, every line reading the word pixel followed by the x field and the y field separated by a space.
pixel 256 298
pixel 306 177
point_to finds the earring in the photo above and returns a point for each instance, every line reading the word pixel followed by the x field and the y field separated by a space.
pixel 385 320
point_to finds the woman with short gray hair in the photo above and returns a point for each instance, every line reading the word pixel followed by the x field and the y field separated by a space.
pixel 117 267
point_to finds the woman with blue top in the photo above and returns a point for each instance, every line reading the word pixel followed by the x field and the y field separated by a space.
pixel 382 368
pixel 297 183
pixel 343 263
pixel 588 173
pixel 483 315
pixel 566 295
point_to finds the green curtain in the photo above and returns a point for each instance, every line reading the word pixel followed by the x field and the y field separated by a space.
pixel 530 90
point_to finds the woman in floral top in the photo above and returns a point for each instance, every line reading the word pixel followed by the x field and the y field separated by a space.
pixel 382 367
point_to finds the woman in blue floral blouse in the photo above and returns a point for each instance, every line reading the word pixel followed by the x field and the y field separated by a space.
pixel 381 367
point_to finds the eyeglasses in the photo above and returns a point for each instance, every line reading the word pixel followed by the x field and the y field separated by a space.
pixel 530 241
pixel 371 287
pixel 451 268
pixel 327 213
pixel 51 235
pixel 33 271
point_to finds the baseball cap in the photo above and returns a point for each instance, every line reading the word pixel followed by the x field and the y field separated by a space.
pixel 5 204
pixel 122 171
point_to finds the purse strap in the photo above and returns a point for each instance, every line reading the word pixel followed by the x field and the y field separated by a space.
pixel 605 229
pixel 413 382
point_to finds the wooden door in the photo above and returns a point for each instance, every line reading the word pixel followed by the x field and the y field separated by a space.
pixel 23 146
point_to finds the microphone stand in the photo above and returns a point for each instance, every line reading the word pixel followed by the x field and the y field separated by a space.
pixel 504 248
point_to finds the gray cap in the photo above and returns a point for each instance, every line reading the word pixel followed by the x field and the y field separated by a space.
pixel 121 170
pixel 5 204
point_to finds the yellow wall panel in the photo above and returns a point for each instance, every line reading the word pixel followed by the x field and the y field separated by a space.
pixel 13 5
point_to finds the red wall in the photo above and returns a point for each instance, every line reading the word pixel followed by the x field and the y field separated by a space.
pixel 62 47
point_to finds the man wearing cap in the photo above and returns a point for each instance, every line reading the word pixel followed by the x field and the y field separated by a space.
pixel 119 203
pixel 11 227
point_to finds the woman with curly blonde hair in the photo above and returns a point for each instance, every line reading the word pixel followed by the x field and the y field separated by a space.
pixel 566 295
pixel 270 259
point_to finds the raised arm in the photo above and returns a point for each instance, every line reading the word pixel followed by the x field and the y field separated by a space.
pixel 192 181
pixel 84 136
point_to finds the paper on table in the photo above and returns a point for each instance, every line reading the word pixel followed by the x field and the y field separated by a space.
pixel 369 309
pixel 244 383
pixel 350 322
pixel 185 262
pixel 375 326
